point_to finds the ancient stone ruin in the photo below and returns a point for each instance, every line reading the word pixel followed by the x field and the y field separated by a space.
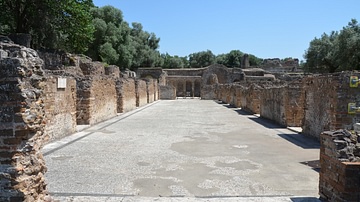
pixel 340 166
pixel 43 100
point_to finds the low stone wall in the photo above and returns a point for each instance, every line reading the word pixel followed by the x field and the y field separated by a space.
pixel 60 107
pixel 252 95
pixel 208 92
pixel 141 93
pixel 284 104
pixel 126 94
pixel 22 124
pixel 151 90
pixel 340 166
pixel 167 92
pixel 96 100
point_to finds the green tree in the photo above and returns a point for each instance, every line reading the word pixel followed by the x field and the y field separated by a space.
pixel 234 58
pixel 172 62
pixel 336 51
pixel 52 24
pixel 201 59
pixel 321 55
pixel 348 47
pixel 254 61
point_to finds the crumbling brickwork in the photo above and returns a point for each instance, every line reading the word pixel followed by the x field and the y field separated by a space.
pixel 126 95
pixel 151 90
pixel 60 107
pixel 167 92
pixel 96 99
pixel 141 93
pixel 340 166
pixel 252 95
pixel 22 123
pixel 327 99
pixel 284 104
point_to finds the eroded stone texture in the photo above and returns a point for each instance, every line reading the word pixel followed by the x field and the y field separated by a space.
pixel 126 95
pixel 167 92
pixel 327 99
pixel 141 93
pixel 152 90
pixel 22 124
pixel 60 107
pixel 96 99
pixel 340 166
pixel 284 104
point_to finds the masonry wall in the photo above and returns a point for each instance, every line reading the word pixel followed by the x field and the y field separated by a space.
pixel 252 95
pixel 141 93
pixel 96 99
pixel 284 104
pixel 126 94
pixel 340 167
pixel 151 90
pixel 22 124
pixel 208 92
pixel 167 92
pixel 327 99
pixel 60 107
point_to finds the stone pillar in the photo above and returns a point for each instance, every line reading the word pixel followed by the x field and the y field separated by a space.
pixel 192 89
pixel 22 165
pixel 245 61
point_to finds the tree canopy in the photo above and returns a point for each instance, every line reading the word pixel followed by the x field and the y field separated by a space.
pixel 116 42
pixel 78 26
pixel 336 51
pixel 62 24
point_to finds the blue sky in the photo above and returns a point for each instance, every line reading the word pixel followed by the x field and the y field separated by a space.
pixel 267 29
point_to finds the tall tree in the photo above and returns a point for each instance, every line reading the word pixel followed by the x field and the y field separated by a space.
pixel 52 24
pixel 321 54
pixel 336 51
pixel 201 59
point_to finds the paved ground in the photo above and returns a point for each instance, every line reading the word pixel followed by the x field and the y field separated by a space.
pixel 184 150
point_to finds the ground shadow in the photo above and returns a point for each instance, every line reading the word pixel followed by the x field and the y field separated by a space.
pixel 315 164
pixel 305 199
pixel 243 112
pixel 266 122
pixel 302 141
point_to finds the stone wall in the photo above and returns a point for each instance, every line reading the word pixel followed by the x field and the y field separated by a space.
pixel 60 107
pixel 208 92
pixel 284 104
pixel 327 99
pixel 151 90
pixel 126 94
pixel 167 92
pixel 141 93
pixel 96 99
pixel 340 166
pixel 22 124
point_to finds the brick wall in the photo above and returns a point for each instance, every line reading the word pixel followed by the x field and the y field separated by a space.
pixel 126 94
pixel 22 112
pixel 141 93
pixel 60 107
pixel 340 166
pixel 253 96
pixel 208 92
pixel 167 92
pixel 284 104
pixel 96 99
pixel 327 99
pixel 151 90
